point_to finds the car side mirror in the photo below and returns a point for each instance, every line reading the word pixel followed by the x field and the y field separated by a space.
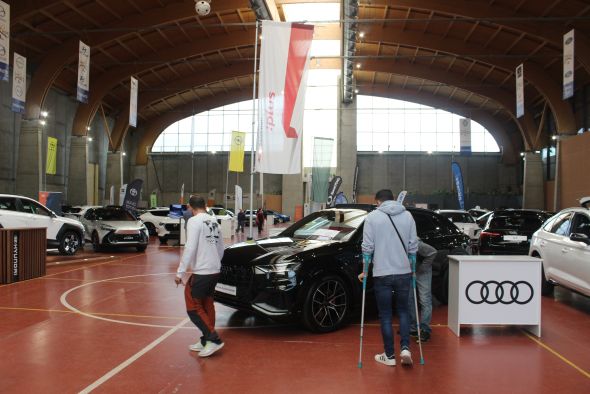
pixel 579 237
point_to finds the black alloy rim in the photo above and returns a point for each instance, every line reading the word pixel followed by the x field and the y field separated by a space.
pixel 329 302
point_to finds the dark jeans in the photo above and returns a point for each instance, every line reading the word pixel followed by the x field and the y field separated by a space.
pixel 384 287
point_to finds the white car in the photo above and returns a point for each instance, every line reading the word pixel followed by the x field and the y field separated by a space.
pixel 563 243
pixel 222 214
pixel 23 212
pixel 114 226
pixel 463 220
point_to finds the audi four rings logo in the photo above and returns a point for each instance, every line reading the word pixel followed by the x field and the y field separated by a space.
pixel 505 292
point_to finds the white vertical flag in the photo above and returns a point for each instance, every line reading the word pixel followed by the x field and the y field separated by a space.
pixel 4 40
pixel 284 61
pixel 520 91
pixel 465 136
pixel 568 65
pixel 19 83
pixel 83 73
pixel 238 198
pixel 133 103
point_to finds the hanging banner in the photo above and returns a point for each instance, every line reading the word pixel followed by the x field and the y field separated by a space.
pixel 333 190
pixel 238 198
pixel 122 193
pixel 132 194
pixel 568 65
pixel 402 196
pixel 284 62
pixel 4 40
pixel 51 161
pixel 112 195
pixel 83 73
pixel 520 91
pixel 236 154
pixel 182 194
pixel 153 200
pixel 458 177
pixel 19 83
pixel 133 102
pixel 465 136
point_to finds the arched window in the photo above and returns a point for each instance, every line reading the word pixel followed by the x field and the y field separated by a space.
pixel 385 124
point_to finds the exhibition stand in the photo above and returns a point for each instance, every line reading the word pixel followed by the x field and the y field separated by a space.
pixel 495 290
pixel 22 254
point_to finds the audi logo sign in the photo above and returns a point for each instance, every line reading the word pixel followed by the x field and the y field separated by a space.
pixel 505 292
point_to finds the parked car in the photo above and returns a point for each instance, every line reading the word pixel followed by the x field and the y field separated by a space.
pixel 282 218
pixel 564 245
pixel 509 231
pixel 222 214
pixel 309 271
pixel 159 222
pixel 114 226
pixel 463 220
pixel 21 212
pixel 152 218
pixel 477 212
pixel 483 219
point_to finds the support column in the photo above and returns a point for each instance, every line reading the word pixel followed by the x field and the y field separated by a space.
pixel 533 195
pixel 78 173
pixel 292 194
pixel 114 174
pixel 346 146
pixel 29 175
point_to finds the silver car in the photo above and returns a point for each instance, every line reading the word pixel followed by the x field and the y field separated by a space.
pixel 114 226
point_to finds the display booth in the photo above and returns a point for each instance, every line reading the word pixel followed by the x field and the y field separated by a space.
pixel 495 290
pixel 22 254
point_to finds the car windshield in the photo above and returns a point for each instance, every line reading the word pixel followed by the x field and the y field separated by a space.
pixel 458 217
pixel 113 214
pixel 524 221
pixel 332 225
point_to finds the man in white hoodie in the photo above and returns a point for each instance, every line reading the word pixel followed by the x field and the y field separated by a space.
pixel 390 241
pixel 202 255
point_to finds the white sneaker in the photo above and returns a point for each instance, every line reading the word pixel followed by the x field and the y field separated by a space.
pixel 210 348
pixel 406 357
pixel 383 359
pixel 197 347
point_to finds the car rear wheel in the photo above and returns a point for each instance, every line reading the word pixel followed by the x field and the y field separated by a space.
pixel 69 243
pixel 96 242
pixel 326 305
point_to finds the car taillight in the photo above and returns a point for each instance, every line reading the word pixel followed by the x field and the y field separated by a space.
pixel 486 234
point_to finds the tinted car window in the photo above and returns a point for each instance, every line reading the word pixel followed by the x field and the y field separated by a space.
pixel 424 224
pixel 562 225
pixel 8 204
pixel 34 208
pixel 517 221
pixel 115 214
pixel 581 224
pixel 458 217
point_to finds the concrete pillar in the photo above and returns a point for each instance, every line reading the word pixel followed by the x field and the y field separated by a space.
pixel 533 195
pixel 114 174
pixel 78 173
pixel 29 179
pixel 346 146
pixel 292 193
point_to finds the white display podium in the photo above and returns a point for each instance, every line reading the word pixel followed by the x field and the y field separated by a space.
pixel 226 228
pixel 496 290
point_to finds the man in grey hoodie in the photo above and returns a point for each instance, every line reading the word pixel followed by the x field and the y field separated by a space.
pixel 390 240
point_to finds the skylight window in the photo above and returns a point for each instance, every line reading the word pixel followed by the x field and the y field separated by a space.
pixel 312 12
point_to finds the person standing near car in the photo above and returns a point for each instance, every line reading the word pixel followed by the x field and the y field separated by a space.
pixel 425 257
pixel 241 220
pixel 260 220
pixel 202 258
pixel 390 241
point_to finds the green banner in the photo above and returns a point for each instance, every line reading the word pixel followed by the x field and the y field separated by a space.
pixel 51 162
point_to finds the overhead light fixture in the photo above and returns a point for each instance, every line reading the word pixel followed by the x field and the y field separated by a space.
pixel 522 154
pixel 213 152
pixel 203 7
pixel 88 128
pixel 358 65
pixel 44 114
pixel 124 153
pixel 362 34
pixel 42 122
pixel 89 139
pixel 553 137
pixel 356 91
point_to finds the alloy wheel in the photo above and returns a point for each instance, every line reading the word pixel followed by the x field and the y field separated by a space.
pixel 329 303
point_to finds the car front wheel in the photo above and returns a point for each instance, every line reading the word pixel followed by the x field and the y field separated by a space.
pixel 69 243
pixel 326 304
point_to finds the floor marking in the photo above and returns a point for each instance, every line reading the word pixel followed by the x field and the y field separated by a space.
pixel 133 358
pixel 9 308
pixel 558 355
pixel 78 261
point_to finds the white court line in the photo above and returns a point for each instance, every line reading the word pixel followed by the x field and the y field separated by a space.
pixel 133 358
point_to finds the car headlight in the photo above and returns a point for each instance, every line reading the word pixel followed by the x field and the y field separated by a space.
pixel 282 272
pixel 106 227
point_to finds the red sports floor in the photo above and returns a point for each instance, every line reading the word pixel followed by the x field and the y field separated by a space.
pixel 116 324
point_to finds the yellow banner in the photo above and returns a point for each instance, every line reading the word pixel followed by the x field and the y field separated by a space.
pixel 51 163
pixel 236 155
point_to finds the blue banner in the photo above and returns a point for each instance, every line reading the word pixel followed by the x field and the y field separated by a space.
pixel 458 177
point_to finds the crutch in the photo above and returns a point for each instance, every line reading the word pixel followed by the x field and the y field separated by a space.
pixel 413 260
pixel 366 261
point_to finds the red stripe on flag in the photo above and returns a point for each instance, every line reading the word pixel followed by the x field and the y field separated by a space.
pixel 299 45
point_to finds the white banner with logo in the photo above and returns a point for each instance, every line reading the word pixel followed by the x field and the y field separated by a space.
pixel 83 73
pixel 238 196
pixel 19 83
pixel 465 136
pixel 133 103
pixel 520 91
pixel 4 40
pixel 284 62
pixel 568 65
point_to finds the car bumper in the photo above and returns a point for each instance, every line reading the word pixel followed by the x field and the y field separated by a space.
pixel 114 239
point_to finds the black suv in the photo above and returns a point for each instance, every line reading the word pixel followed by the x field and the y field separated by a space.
pixel 309 271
